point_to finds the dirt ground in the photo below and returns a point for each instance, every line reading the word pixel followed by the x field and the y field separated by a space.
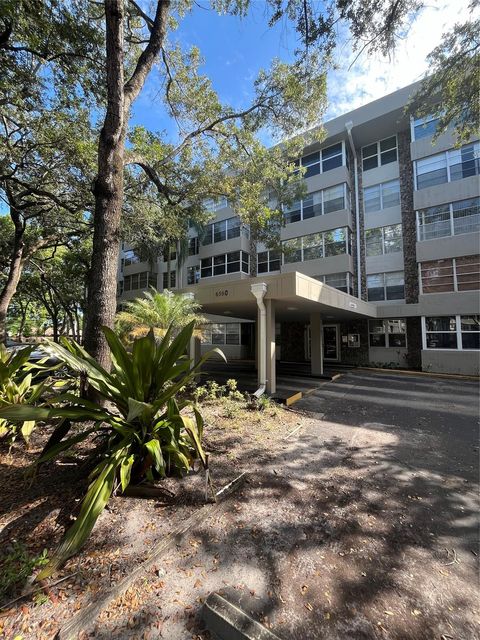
pixel 362 524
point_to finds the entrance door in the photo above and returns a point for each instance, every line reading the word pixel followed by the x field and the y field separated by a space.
pixel 330 342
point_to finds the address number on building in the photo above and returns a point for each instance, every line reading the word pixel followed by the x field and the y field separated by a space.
pixel 221 293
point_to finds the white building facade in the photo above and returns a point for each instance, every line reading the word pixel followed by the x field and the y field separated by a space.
pixel 383 253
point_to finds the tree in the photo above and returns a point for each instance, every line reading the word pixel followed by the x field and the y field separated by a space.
pixel 51 66
pixel 55 280
pixel 157 311
pixel 451 89
pixel 44 172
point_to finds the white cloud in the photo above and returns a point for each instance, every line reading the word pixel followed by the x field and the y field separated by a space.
pixel 372 77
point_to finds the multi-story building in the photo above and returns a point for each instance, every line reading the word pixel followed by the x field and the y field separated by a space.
pixel 379 263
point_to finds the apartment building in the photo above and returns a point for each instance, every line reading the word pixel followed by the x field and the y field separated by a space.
pixel 379 263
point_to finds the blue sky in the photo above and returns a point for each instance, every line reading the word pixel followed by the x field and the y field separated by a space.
pixel 235 50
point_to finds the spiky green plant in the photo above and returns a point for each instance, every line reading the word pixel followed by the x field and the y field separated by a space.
pixel 18 385
pixel 145 434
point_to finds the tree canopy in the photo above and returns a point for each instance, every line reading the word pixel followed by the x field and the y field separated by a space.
pixel 451 89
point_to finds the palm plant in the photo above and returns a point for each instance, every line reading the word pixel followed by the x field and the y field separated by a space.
pixel 141 432
pixel 157 311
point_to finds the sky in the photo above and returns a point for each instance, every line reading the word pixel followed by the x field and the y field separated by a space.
pixel 234 50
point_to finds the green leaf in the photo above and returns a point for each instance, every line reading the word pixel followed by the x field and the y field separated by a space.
pixel 27 428
pixel 93 504
pixel 153 446
pixel 58 447
pixel 137 408
pixel 126 470
pixel 191 428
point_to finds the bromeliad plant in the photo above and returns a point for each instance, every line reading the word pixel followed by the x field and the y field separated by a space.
pixel 19 385
pixel 143 433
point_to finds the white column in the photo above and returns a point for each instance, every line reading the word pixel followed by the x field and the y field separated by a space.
pixel 316 351
pixel 259 290
pixel 270 343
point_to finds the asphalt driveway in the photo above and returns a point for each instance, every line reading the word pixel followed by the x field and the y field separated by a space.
pixel 361 524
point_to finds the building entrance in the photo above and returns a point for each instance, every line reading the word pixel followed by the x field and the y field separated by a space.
pixel 331 347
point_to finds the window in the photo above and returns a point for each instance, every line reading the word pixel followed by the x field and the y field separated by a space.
pixel 317 245
pixel 228 333
pixel 334 198
pixel 451 219
pixel 313 246
pixel 383 240
pixel 441 332
pixel 332 157
pixel 173 280
pixel 233 228
pixel 335 242
pixel 381 196
pixel 193 246
pixel 193 274
pixel 139 281
pixel 173 254
pixel 431 171
pixel 390 333
pixel 450 274
pixel 425 127
pixel 341 281
pixel 130 257
pixel 379 153
pixel 292 250
pixel 448 166
pixel 386 286
pixel 324 160
pixel 319 203
pixel 466 216
pixel 222 230
pixel 470 329
pixel 215 204
pixel 232 262
pixel 268 261
pixel 452 332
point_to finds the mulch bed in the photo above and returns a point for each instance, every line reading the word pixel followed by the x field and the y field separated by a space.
pixel 35 513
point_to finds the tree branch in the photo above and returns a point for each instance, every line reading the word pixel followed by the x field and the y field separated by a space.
pixel 148 56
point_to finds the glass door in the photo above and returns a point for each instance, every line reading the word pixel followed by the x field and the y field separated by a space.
pixel 330 342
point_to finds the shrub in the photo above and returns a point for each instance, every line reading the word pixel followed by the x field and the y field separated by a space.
pixel 18 386
pixel 139 425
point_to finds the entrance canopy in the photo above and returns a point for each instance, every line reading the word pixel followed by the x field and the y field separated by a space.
pixel 281 298
pixel 297 296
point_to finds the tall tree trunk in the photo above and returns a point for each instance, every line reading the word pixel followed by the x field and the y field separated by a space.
pixel 108 189
pixel 14 272
pixel 54 316
pixel 21 327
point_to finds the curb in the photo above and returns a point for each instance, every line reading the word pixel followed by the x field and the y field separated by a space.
pixel 228 622
pixel 428 374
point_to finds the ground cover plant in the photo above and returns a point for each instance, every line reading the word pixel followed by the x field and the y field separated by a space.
pixel 136 425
